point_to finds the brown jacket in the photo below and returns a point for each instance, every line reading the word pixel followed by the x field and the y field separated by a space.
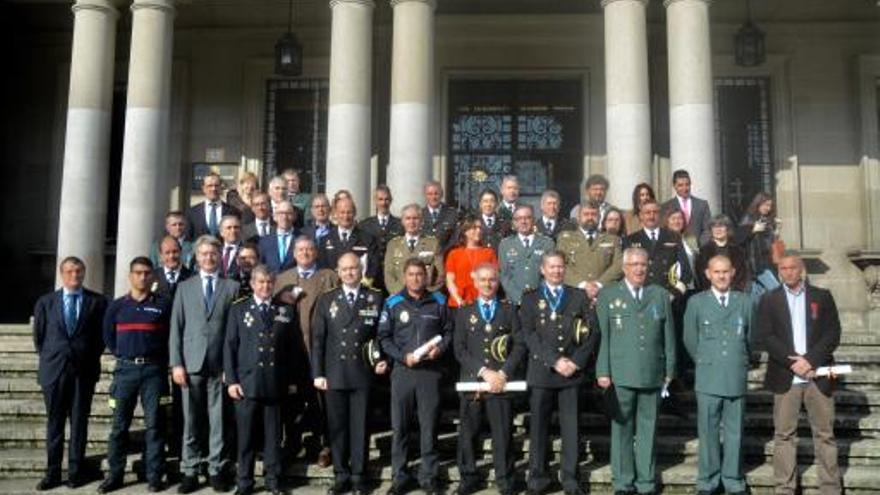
pixel 320 282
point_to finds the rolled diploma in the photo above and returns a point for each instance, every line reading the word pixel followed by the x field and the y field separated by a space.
pixel 423 349
pixel 519 386
pixel 840 369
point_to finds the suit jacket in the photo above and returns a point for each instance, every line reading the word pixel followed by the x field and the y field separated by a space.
pixel 320 282
pixel 195 219
pixel 79 353
pixel 638 338
pixel 359 242
pixel 197 332
pixel 549 339
pixel 311 230
pixel 600 262
pixel 560 225
pixel 268 248
pixel 165 289
pixel 443 228
pixel 493 235
pixel 249 232
pixel 775 335
pixel 393 228
pixel 663 254
pixel 427 249
pixel 521 267
pixel 472 341
pixel 701 217
pixel 717 338
pixel 232 269
pixel 339 334
pixel 262 352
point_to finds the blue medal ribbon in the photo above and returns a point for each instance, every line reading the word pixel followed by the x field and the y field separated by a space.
pixel 554 302
pixel 493 306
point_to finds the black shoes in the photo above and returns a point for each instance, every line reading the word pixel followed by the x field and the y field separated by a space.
pixel 156 486
pixel 75 481
pixel 242 490
pixel 220 483
pixel 574 491
pixel 467 488
pixel 48 482
pixel 188 484
pixel 110 485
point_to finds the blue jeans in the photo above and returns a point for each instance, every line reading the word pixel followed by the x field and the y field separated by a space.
pixel 150 381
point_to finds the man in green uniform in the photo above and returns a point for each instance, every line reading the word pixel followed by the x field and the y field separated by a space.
pixel 637 358
pixel 412 244
pixel 592 258
pixel 717 325
pixel 520 255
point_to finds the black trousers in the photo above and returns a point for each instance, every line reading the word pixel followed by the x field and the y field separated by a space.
pixel 499 411
pixel 414 390
pixel 68 397
pixel 542 402
pixel 304 412
pixel 259 421
pixel 346 424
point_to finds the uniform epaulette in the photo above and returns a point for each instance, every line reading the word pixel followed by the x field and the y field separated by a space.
pixel 565 234
pixel 440 298
pixel 374 290
pixel 240 300
pixel 393 301
pixel 529 290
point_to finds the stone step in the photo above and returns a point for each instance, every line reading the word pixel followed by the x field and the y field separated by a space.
pixel 31 433
pixel 859 379
pixel 28 408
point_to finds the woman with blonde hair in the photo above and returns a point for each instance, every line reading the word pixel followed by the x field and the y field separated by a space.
pixel 243 194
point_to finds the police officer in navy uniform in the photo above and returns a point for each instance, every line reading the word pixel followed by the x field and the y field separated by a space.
pixel 489 348
pixel 262 349
pixel 136 332
pixel 415 330
pixel 562 334
pixel 343 363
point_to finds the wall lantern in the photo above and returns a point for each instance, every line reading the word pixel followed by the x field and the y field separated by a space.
pixel 288 51
pixel 749 42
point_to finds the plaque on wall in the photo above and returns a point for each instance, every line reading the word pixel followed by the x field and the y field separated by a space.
pixel 228 172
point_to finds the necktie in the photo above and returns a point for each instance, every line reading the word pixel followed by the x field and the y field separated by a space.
pixel 549 225
pixel 227 253
pixel 212 222
pixel 383 221
pixel 433 216
pixel 412 244
pixel 305 274
pixel 209 291
pixel 653 236
pixel 172 277
pixel 264 229
pixel 282 247
pixel 344 236
pixel 686 210
pixel 723 301
pixel 638 295
pixel 70 313
pixel 351 299
pixel 526 242
pixel 264 311
pixel 486 308
pixel 489 222
pixel 553 293
pixel 591 237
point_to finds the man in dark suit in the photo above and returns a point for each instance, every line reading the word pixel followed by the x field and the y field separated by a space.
pixel 68 338
pixel 171 271
pixel 550 223
pixel 383 226
pixel 696 211
pixel 259 360
pixel 343 365
pixel 319 225
pixel 799 327
pixel 230 235
pixel 479 329
pixel 248 258
pixel 346 237
pixel 198 326
pixel 493 228
pixel 509 198
pixel 175 226
pixel 438 219
pixel 276 250
pixel 262 225
pixel 562 334
pixel 204 218
pixel 664 251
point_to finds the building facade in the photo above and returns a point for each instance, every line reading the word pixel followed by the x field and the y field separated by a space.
pixel 117 108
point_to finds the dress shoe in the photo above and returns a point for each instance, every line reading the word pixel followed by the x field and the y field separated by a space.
pixel 324 459
pixel 75 481
pixel 188 484
pixel 434 489
pixel 156 486
pixel 339 489
pixel 48 482
pixel 360 491
pixel 220 483
pixel 574 491
pixel 467 488
pixel 110 485
pixel 396 490
pixel 276 491
pixel 242 490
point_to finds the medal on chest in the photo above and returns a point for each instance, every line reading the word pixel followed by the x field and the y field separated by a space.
pixel 333 310
pixel 488 314
pixel 554 302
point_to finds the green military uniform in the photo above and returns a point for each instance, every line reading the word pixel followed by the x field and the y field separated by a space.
pixel 638 354
pixel 600 261
pixel 521 265
pixel 398 250
pixel 717 337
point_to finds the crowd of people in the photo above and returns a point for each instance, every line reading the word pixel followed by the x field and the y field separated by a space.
pixel 279 313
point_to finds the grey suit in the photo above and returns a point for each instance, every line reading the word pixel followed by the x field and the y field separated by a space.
pixel 701 217
pixel 197 336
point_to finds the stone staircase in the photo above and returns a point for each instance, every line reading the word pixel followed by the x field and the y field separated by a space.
pixel 22 427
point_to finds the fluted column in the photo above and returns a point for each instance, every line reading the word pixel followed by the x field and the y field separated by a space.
pixel 349 139
pixel 82 219
pixel 691 112
pixel 627 105
pixel 412 72
pixel 145 149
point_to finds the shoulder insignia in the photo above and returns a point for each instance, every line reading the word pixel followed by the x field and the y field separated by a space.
pixel 240 300
pixel 440 298
pixel 565 234
pixel 393 301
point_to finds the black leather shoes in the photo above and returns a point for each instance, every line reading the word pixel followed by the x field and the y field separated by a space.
pixel 574 491
pixel 188 484
pixel 244 490
pixel 467 488
pixel 156 486
pixel 48 482
pixel 74 482
pixel 220 483
pixel 109 485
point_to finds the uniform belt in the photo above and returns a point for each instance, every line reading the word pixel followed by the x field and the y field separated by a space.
pixel 139 360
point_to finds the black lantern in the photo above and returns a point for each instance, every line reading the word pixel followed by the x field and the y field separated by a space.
pixel 749 43
pixel 288 51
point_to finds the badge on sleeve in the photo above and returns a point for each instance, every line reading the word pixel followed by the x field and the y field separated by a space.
pixel 404 316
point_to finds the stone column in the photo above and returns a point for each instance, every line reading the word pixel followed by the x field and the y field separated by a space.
pixel 145 149
pixel 412 73
pixel 691 114
pixel 627 106
pixel 82 219
pixel 349 136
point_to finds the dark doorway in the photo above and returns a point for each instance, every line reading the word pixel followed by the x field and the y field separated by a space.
pixel 528 128
pixel 296 130
pixel 745 152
